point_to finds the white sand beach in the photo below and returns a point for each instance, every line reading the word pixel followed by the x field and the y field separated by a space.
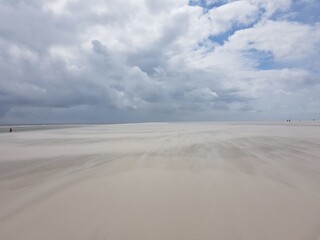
pixel 182 181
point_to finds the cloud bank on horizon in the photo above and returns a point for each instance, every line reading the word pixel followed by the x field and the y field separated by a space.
pixel 150 60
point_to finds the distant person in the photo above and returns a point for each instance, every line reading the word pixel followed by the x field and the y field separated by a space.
pixel 10 130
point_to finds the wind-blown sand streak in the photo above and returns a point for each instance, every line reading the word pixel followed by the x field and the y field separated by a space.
pixel 161 181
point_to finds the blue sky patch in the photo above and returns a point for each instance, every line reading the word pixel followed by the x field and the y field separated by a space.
pixel 205 5
pixel 264 59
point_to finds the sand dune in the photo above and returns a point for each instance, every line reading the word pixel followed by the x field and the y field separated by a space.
pixel 162 181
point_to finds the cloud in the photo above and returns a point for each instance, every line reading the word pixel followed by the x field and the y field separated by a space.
pixel 201 95
pixel 145 60
pixel 287 41
pixel 235 13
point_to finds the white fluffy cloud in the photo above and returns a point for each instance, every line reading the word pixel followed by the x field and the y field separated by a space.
pixel 286 41
pixel 148 60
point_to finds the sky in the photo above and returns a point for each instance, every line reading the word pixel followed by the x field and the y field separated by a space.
pixel 117 61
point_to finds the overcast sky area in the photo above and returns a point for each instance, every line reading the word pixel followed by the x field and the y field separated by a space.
pixel 115 61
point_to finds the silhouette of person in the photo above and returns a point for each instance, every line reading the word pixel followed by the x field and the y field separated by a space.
pixel 10 129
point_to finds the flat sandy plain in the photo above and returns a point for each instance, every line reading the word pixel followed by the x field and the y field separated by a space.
pixel 196 181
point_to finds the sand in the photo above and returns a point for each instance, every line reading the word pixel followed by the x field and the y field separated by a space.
pixel 196 181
